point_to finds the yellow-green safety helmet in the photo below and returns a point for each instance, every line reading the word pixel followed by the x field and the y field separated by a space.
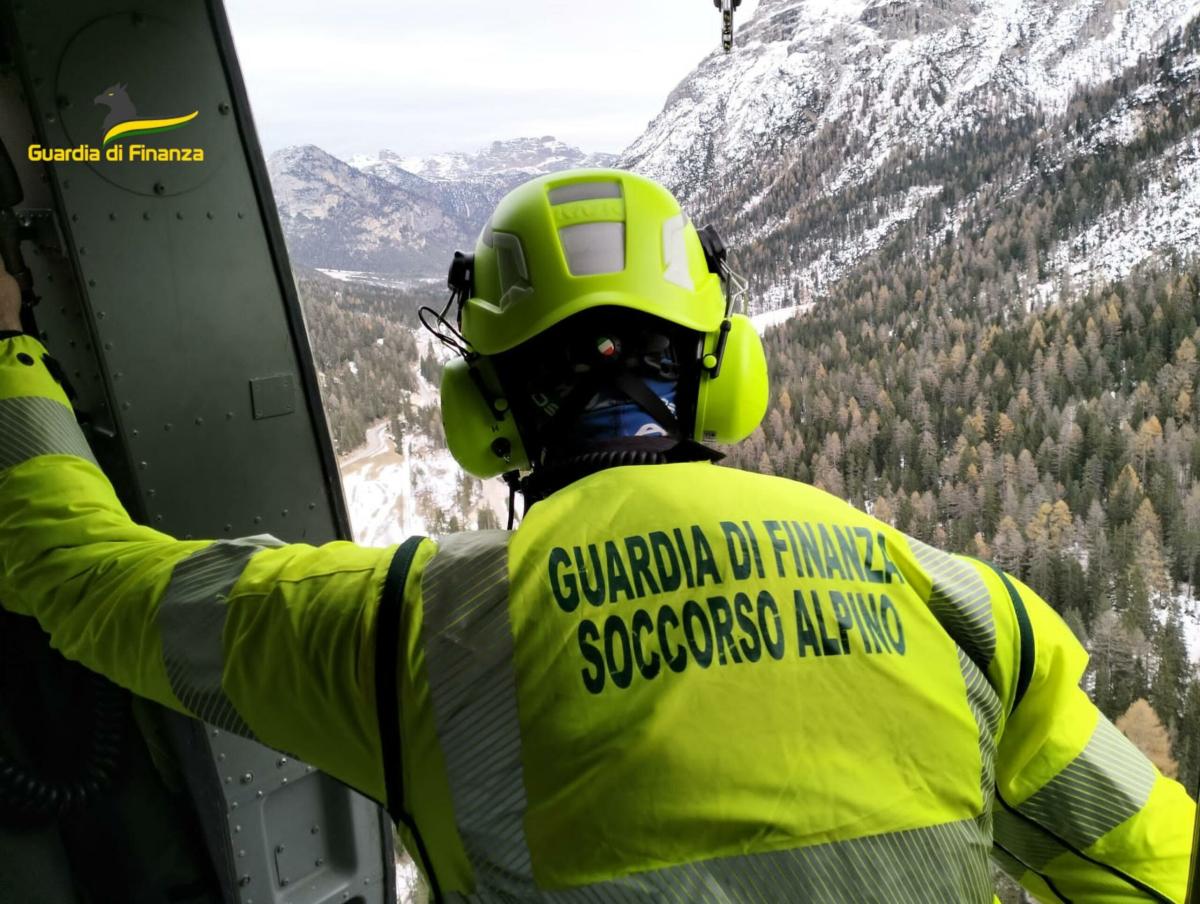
pixel 569 242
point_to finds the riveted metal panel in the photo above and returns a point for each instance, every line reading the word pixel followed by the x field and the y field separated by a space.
pixel 273 396
pixel 167 297
pixel 179 266
pixel 293 836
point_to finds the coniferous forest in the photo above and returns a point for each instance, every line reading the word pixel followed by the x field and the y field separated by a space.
pixel 364 344
pixel 1061 444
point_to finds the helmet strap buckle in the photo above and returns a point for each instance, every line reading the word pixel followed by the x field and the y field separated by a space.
pixel 461 280
pixel 736 287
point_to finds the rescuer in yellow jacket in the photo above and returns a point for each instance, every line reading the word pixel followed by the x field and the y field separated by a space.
pixel 674 681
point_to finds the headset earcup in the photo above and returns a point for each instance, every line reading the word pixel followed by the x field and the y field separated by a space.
pixel 472 429
pixel 730 405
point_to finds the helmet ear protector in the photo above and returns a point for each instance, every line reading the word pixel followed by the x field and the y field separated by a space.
pixel 482 433
pixel 733 393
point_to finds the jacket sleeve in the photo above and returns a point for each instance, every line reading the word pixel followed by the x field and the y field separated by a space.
pixel 1080 813
pixel 272 641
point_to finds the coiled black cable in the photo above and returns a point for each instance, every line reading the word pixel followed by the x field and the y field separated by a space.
pixel 31 796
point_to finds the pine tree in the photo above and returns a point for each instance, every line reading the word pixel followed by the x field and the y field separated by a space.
pixel 1187 740
pixel 1125 497
pixel 1116 663
pixel 1151 561
pixel 1169 685
pixel 1008 546
pixel 1188 538
pixel 1074 621
pixel 1142 726
pixel 1137 615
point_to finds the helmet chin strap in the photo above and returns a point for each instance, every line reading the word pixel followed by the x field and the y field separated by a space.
pixel 635 389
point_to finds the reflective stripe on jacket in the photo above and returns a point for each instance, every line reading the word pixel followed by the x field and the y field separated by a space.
pixel 672 683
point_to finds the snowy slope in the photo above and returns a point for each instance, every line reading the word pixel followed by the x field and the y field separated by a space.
pixel 1165 218
pixel 821 97
pixel 393 494
pixel 774 317
pixel 901 72
pixel 395 490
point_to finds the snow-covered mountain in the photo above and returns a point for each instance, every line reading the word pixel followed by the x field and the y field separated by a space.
pixel 804 144
pixel 402 216
pixel 339 217
pixel 501 162
pixel 903 73
pixel 823 98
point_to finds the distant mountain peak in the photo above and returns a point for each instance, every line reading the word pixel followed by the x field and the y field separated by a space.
pixel 298 152
pixel 402 215
pixel 504 161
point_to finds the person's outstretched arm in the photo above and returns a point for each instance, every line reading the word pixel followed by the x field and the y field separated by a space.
pixel 1080 814
pixel 274 642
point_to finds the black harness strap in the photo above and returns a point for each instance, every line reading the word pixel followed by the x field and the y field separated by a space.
pixel 1024 632
pixel 638 392
pixel 387 696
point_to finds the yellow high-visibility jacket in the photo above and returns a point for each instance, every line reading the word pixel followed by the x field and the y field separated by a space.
pixel 671 683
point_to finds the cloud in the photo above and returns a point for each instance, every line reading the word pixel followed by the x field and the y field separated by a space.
pixel 360 75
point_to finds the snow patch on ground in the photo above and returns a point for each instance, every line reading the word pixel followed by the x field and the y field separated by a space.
pixel 1189 618
pixel 764 321
pixel 810 279
pixel 393 493
pixel 397 489
pixel 1162 219
pixel 382 279
pixel 1191 634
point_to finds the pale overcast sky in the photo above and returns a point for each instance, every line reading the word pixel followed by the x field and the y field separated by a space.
pixel 354 76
